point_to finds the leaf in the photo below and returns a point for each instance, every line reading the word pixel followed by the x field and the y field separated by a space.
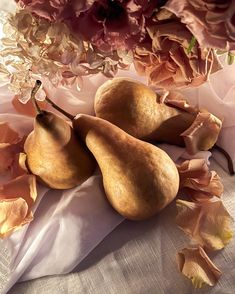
pixel 191 44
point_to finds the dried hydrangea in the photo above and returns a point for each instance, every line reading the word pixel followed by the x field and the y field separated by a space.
pixel 37 49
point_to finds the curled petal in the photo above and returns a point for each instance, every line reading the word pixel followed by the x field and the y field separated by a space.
pixel 177 100
pixel 14 213
pixel 201 183
pixel 16 200
pixel 23 186
pixel 203 133
pixel 195 264
pixel 7 134
pixel 6 157
pixel 207 222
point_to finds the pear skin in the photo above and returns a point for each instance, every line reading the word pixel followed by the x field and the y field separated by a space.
pixel 139 178
pixel 55 155
pixel 135 108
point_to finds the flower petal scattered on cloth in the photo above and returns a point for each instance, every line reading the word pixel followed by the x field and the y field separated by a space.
pixel 211 22
pixel 16 200
pixel 203 133
pixel 206 222
pixel 9 145
pixel 201 183
pixel 18 167
pixel 195 264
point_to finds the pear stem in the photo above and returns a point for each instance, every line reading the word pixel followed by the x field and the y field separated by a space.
pixel 33 93
pixel 228 158
pixel 65 113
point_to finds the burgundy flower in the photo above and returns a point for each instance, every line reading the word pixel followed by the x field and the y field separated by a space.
pixel 56 10
pixel 110 25
pixel 211 22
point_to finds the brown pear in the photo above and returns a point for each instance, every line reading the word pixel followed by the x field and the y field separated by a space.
pixel 136 108
pixel 55 155
pixel 139 178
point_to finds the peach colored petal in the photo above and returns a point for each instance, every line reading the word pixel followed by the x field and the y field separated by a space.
pixel 14 213
pixel 18 167
pixel 201 183
pixel 23 186
pixel 6 157
pixel 203 133
pixel 207 222
pixel 7 134
pixel 195 264
pixel 26 108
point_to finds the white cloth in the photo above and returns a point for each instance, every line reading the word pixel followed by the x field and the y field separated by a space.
pixel 68 224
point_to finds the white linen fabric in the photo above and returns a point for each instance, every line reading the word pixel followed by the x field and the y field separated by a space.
pixel 67 224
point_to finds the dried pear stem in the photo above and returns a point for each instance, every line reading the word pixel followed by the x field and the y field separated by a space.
pixel 228 158
pixel 65 113
pixel 33 93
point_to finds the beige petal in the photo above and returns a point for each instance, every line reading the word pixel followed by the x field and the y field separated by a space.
pixel 23 186
pixel 16 200
pixel 195 264
pixel 6 157
pixel 7 134
pixel 18 167
pixel 206 222
pixel 203 133
pixel 199 180
pixel 14 213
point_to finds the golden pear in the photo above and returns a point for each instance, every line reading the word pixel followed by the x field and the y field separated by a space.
pixel 139 178
pixel 55 155
pixel 135 108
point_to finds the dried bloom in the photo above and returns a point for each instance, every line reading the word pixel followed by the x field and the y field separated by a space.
pixel 203 133
pixel 56 10
pixel 211 22
pixel 195 264
pixel 164 59
pixel 114 24
pixel 206 222
pixel 201 183
pixel 36 49
pixel 16 200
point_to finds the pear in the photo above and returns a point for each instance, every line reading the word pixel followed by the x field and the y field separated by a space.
pixel 136 108
pixel 54 154
pixel 139 178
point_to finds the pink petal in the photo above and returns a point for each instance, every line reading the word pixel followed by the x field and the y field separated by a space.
pixel 7 134
pixel 201 183
pixel 26 108
pixel 18 167
pixel 206 222
pixel 203 133
pixel 195 264
pixel 13 215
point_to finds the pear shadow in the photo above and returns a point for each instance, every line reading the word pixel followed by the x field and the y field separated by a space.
pixel 170 130
pixel 125 232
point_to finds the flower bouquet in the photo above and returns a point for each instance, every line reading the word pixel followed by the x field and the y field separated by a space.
pixel 172 45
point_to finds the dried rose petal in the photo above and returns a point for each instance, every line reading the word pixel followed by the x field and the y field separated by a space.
pixel 7 134
pixel 199 180
pixel 18 167
pixel 13 215
pixel 16 200
pixel 207 222
pixel 6 157
pixel 195 264
pixel 203 133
